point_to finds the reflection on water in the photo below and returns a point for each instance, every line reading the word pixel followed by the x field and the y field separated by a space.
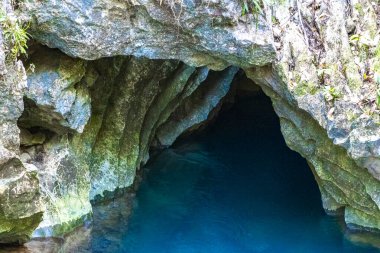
pixel 235 188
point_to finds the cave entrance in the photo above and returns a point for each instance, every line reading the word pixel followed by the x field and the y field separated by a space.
pixel 233 187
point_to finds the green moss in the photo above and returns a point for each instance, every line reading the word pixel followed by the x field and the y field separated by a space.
pixel 65 227
pixel 352 74
pixel 338 176
pixel 358 219
pixel 20 230
pixel 359 8
pixel 71 69
pixel 304 87
pixel 351 116
pixel 69 210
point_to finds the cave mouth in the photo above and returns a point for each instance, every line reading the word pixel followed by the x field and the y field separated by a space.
pixel 229 185
pixel 234 186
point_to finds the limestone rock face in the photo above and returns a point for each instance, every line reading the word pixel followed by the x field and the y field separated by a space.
pixel 56 98
pixel 131 98
pixel 20 207
pixel 122 131
pixel 324 87
pixel 344 185
pixel 195 32
pixel 196 108
pixel 330 63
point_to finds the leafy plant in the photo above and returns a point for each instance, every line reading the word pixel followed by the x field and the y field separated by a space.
pixel 255 7
pixel 362 41
pixel 15 35
pixel 251 6
pixel 331 93
pixel 325 71
pixel 378 98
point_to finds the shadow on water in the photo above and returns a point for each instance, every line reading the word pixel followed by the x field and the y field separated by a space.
pixel 235 187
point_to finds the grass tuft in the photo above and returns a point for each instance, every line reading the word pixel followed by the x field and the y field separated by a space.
pixel 15 36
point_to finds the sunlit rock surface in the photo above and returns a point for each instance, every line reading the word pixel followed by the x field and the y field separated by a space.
pixel 20 209
pixel 56 97
pixel 195 32
pixel 330 69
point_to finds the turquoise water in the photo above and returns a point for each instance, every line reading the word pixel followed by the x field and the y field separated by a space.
pixel 235 188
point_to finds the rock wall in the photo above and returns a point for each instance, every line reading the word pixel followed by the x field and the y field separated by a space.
pixel 20 208
pixel 89 121
pixel 197 33
pixel 325 88
pixel 88 125
pixel 345 186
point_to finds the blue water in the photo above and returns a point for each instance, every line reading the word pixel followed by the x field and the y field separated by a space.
pixel 235 188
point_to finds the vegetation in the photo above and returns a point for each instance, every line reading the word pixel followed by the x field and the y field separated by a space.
pixel 256 6
pixel 331 93
pixel 366 50
pixel 15 36
pixel 252 6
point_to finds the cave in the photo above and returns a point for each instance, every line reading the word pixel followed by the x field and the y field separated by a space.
pixel 97 97
pixel 227 182
pixel 231 185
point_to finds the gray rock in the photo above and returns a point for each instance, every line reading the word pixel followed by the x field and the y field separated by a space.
pixel 56 97
pixel 29 139
pixel 64 185
pixel 75 168
pixel 194 32
pixel 20 207
pixel 25 157
pixel 196 108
